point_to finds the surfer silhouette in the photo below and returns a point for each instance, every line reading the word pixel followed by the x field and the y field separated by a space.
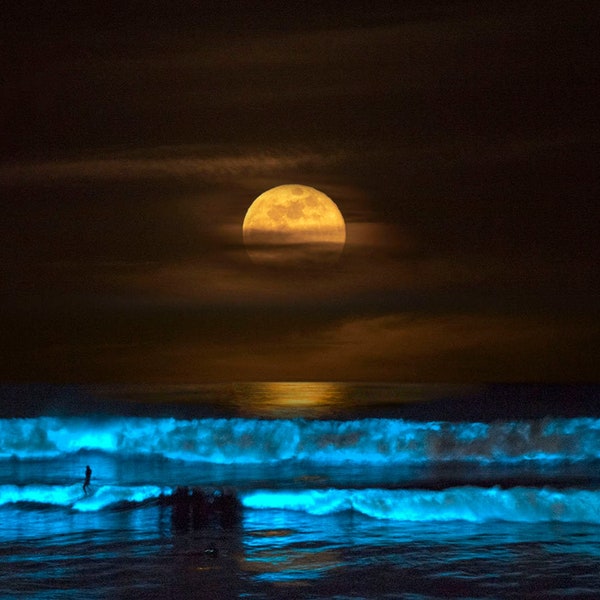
pixel 88 476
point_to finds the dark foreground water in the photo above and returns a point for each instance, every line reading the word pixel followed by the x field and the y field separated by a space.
pixel 347 492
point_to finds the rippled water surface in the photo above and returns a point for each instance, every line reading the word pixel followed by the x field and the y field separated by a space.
pixel 274 554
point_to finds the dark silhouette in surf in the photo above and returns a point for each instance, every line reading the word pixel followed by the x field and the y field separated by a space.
pixel 88 476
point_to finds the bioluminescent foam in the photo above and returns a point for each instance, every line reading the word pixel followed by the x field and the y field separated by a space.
pixel 467 503
pixel 255 441
pixel 72 496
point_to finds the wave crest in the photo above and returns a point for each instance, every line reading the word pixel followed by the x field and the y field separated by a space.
pixel 466 503
pixel 72 496
pixel 254 441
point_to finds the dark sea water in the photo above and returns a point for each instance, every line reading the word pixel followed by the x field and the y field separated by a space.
pixel 347 491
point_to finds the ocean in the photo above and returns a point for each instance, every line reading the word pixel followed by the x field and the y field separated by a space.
pixel 346 491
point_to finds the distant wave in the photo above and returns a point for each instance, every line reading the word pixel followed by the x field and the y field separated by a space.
pixel 255 441
pixel 467 503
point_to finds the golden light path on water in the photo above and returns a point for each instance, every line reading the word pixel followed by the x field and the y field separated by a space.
pixel 291 398
pixel 306 399
pixel 275 399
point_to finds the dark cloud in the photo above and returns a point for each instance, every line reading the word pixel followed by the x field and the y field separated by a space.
pixel 458 140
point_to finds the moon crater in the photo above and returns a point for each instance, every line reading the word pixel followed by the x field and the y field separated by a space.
pixel 294 224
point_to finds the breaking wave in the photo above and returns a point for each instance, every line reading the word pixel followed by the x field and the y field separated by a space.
pixel 255 441
pixel 72 495
pixel 467 503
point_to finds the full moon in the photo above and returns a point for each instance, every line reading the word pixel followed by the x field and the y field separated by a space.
pixel 294 224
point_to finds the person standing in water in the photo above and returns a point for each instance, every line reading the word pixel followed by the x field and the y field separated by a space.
pixel 88 476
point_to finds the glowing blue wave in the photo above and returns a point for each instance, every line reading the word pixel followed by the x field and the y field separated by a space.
pixel 468 503
pixel 72 496
pixel 255 441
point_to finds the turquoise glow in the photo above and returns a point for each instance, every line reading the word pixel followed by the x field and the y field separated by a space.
pixel 259 441
pixel 464 503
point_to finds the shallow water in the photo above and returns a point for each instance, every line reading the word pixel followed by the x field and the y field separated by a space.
pixel 272 554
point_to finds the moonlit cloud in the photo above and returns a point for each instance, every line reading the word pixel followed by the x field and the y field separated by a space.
pixel 450 348
pixel 190 165
pixel 453 348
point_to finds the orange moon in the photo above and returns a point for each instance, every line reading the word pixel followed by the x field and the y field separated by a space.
pixel 294 224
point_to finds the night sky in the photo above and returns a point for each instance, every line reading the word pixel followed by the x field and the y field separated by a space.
pixel 458 139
